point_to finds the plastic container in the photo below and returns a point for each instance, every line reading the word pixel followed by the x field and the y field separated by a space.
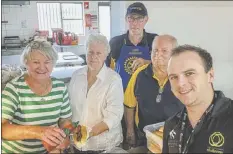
pixel 152 139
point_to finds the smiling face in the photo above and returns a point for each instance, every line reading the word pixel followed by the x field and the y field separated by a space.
pixel 38 65
pixel 189 81
pixel 136 23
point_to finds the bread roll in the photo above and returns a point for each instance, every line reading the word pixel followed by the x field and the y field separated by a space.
pixel 159 134
pixel 154 148
pixel 84 138
pixel 161 129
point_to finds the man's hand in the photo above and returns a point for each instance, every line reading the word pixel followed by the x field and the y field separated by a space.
pixel 53 136
pixel 131 138
pixel 138 63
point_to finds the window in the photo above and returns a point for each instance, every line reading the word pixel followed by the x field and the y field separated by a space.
pixel 68 16
pixel 104 18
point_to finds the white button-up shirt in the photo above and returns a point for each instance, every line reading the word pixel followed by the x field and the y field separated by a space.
pixel 103 102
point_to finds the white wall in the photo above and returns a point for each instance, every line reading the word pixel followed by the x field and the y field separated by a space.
pixel 117 17
pixel 206 24
pixel 23 21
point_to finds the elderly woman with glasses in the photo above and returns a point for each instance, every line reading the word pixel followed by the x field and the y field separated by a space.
pixel 35 106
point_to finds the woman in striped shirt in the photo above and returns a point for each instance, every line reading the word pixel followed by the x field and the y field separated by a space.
pixel 34 105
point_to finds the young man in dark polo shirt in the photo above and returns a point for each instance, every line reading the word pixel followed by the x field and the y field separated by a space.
pixel 206 123
pixel 131 50
pixel 148 97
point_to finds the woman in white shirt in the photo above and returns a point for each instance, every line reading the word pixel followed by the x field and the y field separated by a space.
pixel 96 96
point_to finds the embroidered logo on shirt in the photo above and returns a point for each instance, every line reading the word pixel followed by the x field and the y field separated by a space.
pixel 172 134
pixel 216 141
pixel 135 52
pixel 128 65
pixel 173 142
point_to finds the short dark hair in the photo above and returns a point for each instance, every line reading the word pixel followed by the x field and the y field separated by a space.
pixel 204 55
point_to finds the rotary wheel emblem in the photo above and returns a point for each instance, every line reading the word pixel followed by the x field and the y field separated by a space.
pixel 128 65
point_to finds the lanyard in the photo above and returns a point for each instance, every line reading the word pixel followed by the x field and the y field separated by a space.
pixel 161 89
pixel 195 129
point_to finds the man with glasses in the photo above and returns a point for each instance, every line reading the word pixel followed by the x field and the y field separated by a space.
pixel 131 50
pixel 148 96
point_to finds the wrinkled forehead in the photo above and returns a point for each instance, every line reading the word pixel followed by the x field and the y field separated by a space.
pixel 96 46
pixel 162 43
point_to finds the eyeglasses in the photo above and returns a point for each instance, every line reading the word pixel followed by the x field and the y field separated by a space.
pixel 138 19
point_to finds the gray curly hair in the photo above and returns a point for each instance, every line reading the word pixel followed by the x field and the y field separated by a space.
pixel 99 38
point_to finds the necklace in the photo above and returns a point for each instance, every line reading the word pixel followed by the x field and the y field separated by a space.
pixel 44 87
pixel 45 91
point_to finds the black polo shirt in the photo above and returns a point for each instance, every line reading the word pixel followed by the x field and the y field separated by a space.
pixel 117 42
pixel 214 136
pixel 145 90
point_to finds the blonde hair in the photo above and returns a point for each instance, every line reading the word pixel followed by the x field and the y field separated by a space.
pixel 43 46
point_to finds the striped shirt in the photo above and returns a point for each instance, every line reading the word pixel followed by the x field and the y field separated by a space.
pixel 21 106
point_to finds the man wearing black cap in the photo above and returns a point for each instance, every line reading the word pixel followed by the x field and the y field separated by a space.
pixel 131 50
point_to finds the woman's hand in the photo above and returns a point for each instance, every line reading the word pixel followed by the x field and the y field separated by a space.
pixel 98 129
pixel 64 144
pixel 53 136
pixel 55 151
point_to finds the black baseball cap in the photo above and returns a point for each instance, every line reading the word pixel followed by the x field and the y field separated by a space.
pixel 137 8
